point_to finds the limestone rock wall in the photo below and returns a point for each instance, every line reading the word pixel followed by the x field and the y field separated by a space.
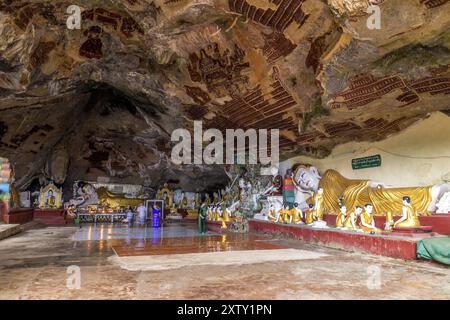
pixel 103 100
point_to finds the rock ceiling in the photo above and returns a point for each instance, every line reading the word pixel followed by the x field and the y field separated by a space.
pixel 102 101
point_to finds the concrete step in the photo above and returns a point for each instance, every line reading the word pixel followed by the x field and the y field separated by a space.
pixel 8 230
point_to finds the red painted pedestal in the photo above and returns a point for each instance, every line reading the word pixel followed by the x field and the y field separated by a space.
pixel 440 223
pixel 18 216
pixel 385 245
pixel 50 216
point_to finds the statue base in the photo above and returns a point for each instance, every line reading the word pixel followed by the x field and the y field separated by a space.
pixel 389 244
pixel 422 229
pixel 319 224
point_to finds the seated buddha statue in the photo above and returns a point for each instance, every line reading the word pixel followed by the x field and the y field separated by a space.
pixel 367 222
pixel 51 200
pixel 183 202
pixel 272 215
pixel 351 222
pixel 341 217
pixel 296 214
pixel 209 213
pixel 287 218
pixel 409 218
pixel 309 215
pixel 226 214
pixel 318 204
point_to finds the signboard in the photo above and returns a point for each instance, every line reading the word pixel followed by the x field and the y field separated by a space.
pixel 366 162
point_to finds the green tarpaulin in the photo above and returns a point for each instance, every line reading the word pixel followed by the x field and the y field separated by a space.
pixel 437 249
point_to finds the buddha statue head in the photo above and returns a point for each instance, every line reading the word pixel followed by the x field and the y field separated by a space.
pixel 368 208
pixel 358 210
pixel 307 178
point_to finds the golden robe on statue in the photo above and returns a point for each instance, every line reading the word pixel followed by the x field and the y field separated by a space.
pixel 110 200
pixel 360 192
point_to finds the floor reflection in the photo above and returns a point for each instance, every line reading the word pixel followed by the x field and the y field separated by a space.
pixel 177 238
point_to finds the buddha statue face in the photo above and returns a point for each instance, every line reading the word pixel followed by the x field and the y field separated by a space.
pixel 358 210
pixel 368 208
pixel 307 178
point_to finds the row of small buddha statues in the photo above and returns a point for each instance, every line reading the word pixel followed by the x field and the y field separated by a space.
pixel 354 202
pixel 221 213
pixel 167 195
pixel 360 219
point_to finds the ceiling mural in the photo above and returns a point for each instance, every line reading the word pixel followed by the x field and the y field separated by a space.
pixel 102 101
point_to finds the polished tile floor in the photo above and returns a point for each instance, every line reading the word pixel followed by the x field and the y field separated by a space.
pixel 109 231
pixel 176 238
pixel 34 265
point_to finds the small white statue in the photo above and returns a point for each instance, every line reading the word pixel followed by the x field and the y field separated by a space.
pixel 443 206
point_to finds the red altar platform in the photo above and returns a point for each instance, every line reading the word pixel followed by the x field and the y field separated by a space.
pixel 390 245
pixel 50 216
pixel 18 216
pixel 24 215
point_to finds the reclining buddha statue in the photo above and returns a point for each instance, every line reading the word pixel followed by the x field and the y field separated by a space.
pixel 361 192
pixel 111 200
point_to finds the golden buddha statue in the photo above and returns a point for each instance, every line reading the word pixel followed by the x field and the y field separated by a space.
pixel 367 223
pixel 296 214
pixel 166 195
pixel 318 201
pixel 115 201
pixel 216 216
pixel 409 218
pixel 341 217
pixel 272 216
pixel 209 213
pixel 286 215
pixel 359 192
pixel 351 222
pixel 226 215
pixel 183 202
pixel 309 215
